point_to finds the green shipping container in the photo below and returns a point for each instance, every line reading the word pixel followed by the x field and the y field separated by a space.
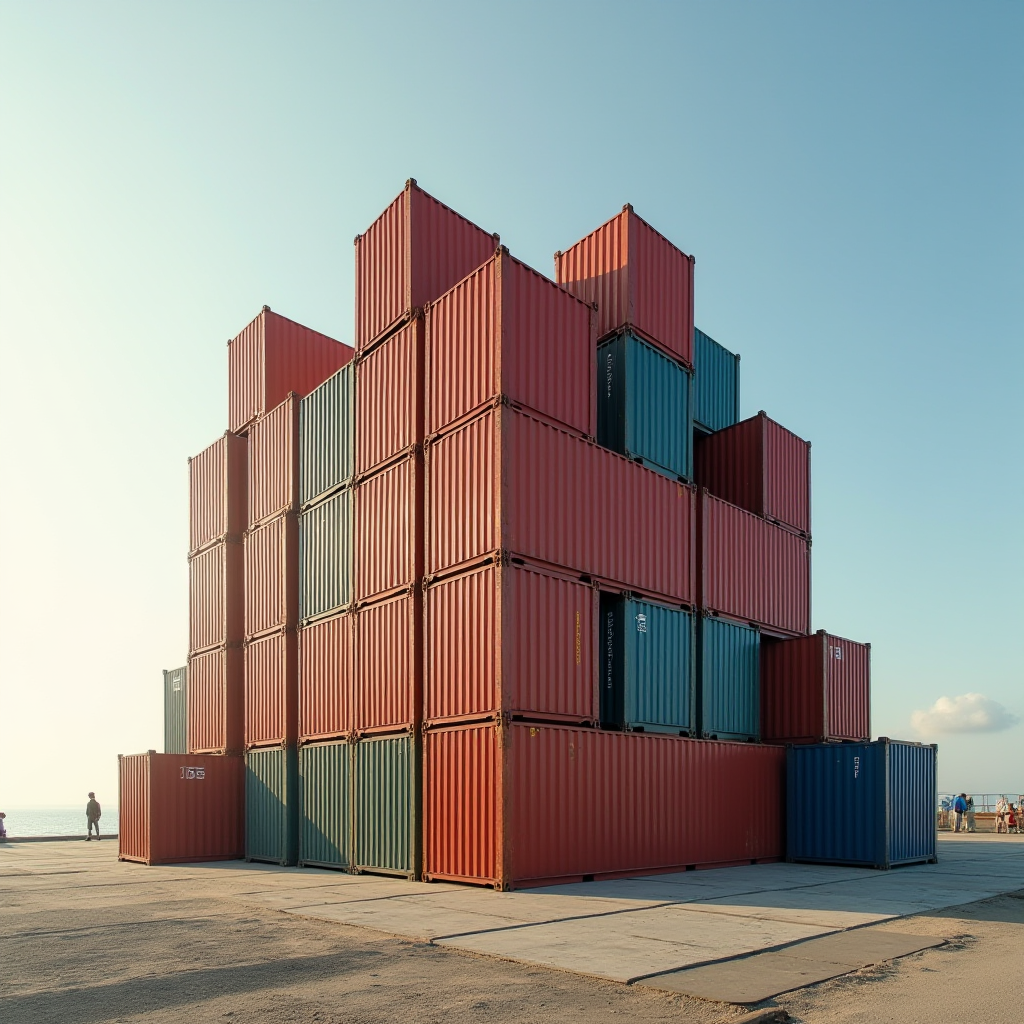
pixel 387 802
pixel 325 782
pixel 272 805
pixel 327 436
pixel 176 711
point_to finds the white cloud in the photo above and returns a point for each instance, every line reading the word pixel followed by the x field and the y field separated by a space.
pixel 970 712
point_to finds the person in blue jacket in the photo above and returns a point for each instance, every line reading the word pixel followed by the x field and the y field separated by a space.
pixel 960 809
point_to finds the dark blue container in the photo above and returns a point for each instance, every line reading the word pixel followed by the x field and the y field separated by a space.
pixel 728 680
pixel 863 804
pixel 716 384
pixel 647 678
pixel 643 406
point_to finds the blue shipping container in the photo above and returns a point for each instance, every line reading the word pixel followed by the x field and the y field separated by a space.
pixel 716 384
pixel 728 680
pixel 646 666
pixel 864 804
pixel 325 782
pixel 272 805
pixel 327 450
pixel 643 406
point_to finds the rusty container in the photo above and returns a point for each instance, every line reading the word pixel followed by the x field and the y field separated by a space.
pixel 637 278
pixel 272 576
pixel 510 639
pixel 815 689
pixel 326 677
pixel 413 252
pixel 271 690
pixel 180 808
pixel 216 701
pixel 523 805
pixel 216 597
pixel 272 357
pixel 507 331
pixel 274 463
pixel 217 501
pixel 760 466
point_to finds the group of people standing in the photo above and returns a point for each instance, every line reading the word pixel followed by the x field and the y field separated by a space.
pixel 962 815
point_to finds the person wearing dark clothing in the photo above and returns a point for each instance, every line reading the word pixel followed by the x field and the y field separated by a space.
pixel 960 809
pixel 92 816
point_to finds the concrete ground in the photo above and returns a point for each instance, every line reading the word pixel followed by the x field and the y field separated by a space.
pixel 85 937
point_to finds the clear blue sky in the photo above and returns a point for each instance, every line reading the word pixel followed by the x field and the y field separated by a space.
pixel 849 177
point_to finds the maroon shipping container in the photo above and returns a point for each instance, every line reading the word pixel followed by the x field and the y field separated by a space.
pixel 216 597
pixel 511 639
pixel 272 576
pixel 216 701
pixel 272 690
pixel 274 462
pixel 638 279
pixel 217 503
pixel 508 482
pixel 389 666
pixel 389 398
pixel 176 808
pixel 760 466
pixel 326 677
pixel 526 805
pixel 388 546
pixel 753 570
pixel 412 253
pixel 508 331
pixel 815 689
pixel 272 357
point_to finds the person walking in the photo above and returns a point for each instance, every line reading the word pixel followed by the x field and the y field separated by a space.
pixel 1001 807
pixel 959 809
pixel 92 816
pixel 970 813
pixel 3 826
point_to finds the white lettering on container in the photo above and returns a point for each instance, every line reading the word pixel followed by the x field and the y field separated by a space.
pixel 641 623
pixel 193 773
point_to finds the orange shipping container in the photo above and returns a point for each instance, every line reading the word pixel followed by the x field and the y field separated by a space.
pixel 272 576
pixel 216 597
pixel 217 493
pixel 271 690
pixel 216 701
pixel 326 678
pixel 274 462
pixel 389 666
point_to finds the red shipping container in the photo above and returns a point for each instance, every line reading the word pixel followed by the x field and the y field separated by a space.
pixel 326 676
pixel 388 546
pixel 274 462
pixel 511 639
pixel 217 493
pixel 177 808
pixel 638 279
pixel 508 331
pixel 525 805
pixel 272 576
pixel 389 398
pixel 271 690
pixel 753 570
pixel 216 701
pixel 815 689
pixel 761 466
pixel 389 665
pixel 412 253
pixel 216 597
pixel 272 357
pixel 508 482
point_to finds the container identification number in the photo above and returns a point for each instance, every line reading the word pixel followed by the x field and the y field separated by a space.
pixel 641 623
pixel 856 767
pixel 193 773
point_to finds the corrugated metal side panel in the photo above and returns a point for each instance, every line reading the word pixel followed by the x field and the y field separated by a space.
pixel 912 800
pixel 848 698
pixel 658 674
pixel 462 803
pixel 389 551
pixel 387 799
pixel 325 829
pixel 271 690
pixel 325 556
pixel 389 397
pixel 216 591
pixel 176 710
pixel 326 678
pixel 133 833
pixel 299 359
pixel 327 435
pixel 729 680
pixel 716 383
pixel 218 501
pixel 388 664
pixel 246 375
pixel 216 701
pixel 271 805
pixel 787 477
pixel 274 462
pixel 382 273
pixel 272 576
pixel 793 690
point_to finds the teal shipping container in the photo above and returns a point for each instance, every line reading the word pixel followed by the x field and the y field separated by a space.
pixel 176 710
pixel 728 680
pixel 272 805
pixel 716 384
pixel 643 406
pixel 387 799
pixel 325 557
pixel 325 785
pixel 327 437
pixel 862 804
pixel 647 666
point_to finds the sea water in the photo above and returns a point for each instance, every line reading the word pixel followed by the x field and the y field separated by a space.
pixel 55 821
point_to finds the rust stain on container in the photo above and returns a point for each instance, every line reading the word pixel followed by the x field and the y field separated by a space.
pixel 272 576
pixel 216 597
pixel 326 677
pixel 271 690
pixel 274 462
pixel 217 493
pixel 216 701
